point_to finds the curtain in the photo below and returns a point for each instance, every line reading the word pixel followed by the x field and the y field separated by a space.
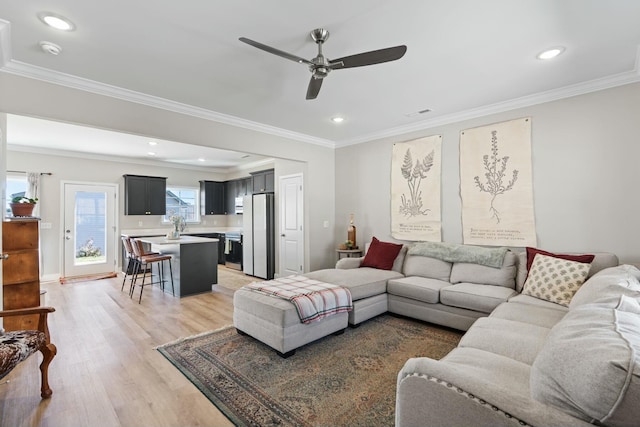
pixel 33 190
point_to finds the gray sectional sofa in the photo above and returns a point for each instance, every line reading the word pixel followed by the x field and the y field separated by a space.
pixel 522 361
pixel 532 362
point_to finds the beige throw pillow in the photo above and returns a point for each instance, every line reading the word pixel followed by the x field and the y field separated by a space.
pixel 555 279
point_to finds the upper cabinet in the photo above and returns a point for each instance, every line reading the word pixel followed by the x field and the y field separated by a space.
pixel 212 198
pixel 145 195
pixel 262 181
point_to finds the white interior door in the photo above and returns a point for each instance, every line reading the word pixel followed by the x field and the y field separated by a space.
pixel 89 233
pixel 291 225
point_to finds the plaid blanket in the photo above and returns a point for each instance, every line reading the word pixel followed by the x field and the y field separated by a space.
pixel 313 299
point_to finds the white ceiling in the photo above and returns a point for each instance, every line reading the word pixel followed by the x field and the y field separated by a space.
pixel 465 58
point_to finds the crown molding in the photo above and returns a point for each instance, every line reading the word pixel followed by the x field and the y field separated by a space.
pixel 5 42
pixel 500 107
pixel 118 159
pixel 22 69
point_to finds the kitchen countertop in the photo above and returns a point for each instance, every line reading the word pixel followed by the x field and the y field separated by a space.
pixel 161 240
pixel 137 232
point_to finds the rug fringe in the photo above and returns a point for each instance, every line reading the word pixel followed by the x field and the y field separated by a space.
pixel 201 334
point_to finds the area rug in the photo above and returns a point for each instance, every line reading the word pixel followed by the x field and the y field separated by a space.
pixel 233 279
pixel 343 380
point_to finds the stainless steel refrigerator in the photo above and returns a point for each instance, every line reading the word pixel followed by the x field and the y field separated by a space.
pixel 258 236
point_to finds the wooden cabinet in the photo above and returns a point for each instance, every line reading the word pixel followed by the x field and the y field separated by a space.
pixel 20 271
pixel 212 200
pixel 145 195
pixel 263 181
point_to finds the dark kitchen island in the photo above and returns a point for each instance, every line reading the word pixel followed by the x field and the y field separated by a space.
pixel 194 267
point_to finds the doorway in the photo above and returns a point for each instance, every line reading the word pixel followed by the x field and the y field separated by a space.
pixel 89 232
pixel 291 229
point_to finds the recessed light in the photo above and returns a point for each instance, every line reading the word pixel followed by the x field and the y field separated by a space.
pixel 550 53
pixel 151 153
pixel 153 143
pixel 201 159
pixel 51 48
pixel 337 119
pixel 56 21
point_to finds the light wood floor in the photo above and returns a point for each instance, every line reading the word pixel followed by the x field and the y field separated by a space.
pixel 107 372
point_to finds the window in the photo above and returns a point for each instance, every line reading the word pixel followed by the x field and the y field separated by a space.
pixel 16 186
pixel 183 201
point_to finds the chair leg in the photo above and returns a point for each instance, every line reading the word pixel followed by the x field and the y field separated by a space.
pixel 171 275
pixel 144 276
pixel 48 352
pixel 134 277
pixel 126 272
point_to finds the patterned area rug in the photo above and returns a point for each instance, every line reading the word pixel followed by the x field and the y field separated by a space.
pixel 349 379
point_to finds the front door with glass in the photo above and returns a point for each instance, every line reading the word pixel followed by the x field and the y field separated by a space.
pixel 89 233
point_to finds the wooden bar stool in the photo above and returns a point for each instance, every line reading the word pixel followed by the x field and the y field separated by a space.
pixel 146 259
pixel 132 261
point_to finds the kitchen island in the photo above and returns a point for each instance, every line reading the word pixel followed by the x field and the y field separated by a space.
pixel 193 263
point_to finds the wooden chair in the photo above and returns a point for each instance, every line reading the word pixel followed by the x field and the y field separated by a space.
pixel 144 259
pixel 16 346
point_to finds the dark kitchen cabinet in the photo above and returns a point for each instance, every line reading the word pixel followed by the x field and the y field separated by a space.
pixel 212 200
pixel 263 181
pixel 145 195
pixel 230 193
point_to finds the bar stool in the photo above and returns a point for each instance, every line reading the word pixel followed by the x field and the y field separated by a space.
pixel 145 259
pixel 132 261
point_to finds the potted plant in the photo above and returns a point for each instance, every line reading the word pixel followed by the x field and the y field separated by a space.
pixel 22 206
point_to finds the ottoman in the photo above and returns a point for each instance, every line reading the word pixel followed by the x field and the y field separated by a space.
pixel 275 322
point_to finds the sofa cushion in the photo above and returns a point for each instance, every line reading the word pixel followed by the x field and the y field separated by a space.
pixel 381 255
pixel 483 298
pixel 590 366
pixel 417 288
pixel 606 286
pixel 463 272
pixel 511 338
pixel 433 268
pixel 530 313
pixel 532 252
pixel 362 282
pixel 528 300
pixel 555 279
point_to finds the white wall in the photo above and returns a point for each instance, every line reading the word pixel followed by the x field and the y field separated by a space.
pixel 585 150
pixel 35 98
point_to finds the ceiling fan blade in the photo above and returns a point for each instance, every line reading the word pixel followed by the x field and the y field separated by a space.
pixel 314 88
pixel 369 58
pixel 275 51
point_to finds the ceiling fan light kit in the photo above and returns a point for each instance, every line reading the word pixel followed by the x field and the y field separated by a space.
pixel 320 66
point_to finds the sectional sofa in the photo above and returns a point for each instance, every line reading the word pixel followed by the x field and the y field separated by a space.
pixel 524 360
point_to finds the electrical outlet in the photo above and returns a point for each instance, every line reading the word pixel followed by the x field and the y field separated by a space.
pixel 215 222
pixel 45 225
pixel 139 223
pixel 326 224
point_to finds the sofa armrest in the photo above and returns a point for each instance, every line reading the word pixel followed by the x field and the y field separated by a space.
pixel 348 263
pixel 443 393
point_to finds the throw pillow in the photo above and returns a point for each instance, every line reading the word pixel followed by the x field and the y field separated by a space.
pixel 555 279
pixel 531 253
pixel 381 255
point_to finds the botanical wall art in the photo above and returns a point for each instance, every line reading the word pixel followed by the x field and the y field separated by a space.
pixel 415 189
pixel 496 185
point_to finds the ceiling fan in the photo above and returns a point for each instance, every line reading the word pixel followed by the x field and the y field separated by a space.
pixel 320 66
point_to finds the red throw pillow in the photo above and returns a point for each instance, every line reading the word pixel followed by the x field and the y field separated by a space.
pixel 381 255
pixel 531 253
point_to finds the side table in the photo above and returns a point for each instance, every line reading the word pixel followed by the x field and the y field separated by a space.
pixel 349 253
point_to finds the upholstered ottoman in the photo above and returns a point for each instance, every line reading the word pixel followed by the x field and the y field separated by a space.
pixel 275 322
